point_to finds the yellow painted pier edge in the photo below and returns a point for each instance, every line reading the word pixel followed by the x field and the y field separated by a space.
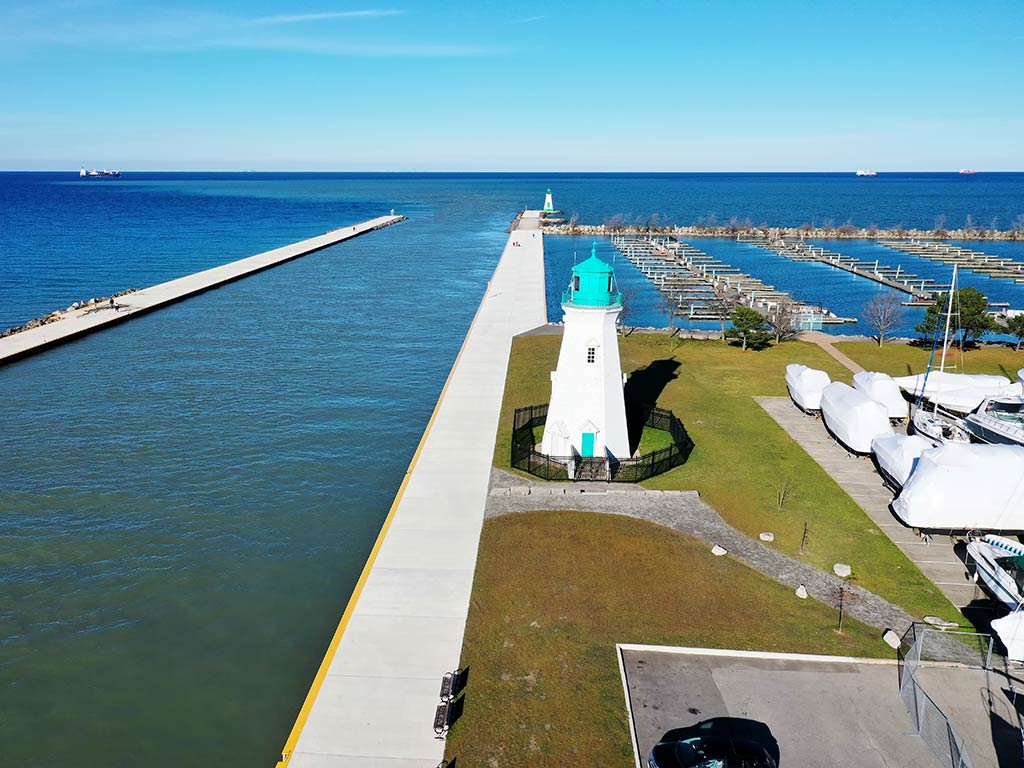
pixel 321 673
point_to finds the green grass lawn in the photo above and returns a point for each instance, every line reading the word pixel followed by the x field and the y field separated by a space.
pixel 742 457
pixel 654 440
pixel 903 360
pixel 544 685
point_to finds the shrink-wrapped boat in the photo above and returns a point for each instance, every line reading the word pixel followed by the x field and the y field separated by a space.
pixel 883 389
pixel 897 456
pixel 1010 630
pixel 964 487
pixel 852 418
pixel 961 392
pixel 805 386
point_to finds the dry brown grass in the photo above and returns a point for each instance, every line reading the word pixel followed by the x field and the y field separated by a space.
pixel 554 592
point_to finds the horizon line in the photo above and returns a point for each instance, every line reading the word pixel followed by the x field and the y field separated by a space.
pixel 495 170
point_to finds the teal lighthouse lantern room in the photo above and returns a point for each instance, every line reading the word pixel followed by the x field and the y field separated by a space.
pixel 587 413
pixel 593 284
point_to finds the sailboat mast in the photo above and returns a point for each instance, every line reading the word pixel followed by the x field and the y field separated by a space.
pixel 949 316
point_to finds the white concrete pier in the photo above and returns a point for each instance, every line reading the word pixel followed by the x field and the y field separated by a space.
pixel 373 699
pixel 87 319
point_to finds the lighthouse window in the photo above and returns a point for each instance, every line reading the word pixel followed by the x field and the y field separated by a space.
pixel 609 283
pixel 576 283
pixel 591 354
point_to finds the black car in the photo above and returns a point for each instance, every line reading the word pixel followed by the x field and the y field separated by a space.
pixel 721 742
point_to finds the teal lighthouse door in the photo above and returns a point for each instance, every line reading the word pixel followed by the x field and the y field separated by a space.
pixel 587 444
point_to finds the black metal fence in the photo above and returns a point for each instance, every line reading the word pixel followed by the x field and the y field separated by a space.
pixel 525 457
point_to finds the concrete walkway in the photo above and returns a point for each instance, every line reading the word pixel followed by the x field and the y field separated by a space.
pixel 857 476
pixel 825 341
pixel 372 702
pixel 93 318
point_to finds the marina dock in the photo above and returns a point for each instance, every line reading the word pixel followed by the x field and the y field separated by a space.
pixel 702 287
pixel 922 289
pixel 374 698
pixel 89 318
pixel 981 263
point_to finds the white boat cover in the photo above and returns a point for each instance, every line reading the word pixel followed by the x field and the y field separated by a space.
pixel 805 385
pixel 898 454
pixel 960 487
pixel 1011 632
pixel 962 392
pixel 883 389
pixel 852 417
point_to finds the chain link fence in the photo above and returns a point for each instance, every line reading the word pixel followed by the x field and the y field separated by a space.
pixel 920 645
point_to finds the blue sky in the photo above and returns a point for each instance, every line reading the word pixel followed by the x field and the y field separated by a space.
pixel 573 86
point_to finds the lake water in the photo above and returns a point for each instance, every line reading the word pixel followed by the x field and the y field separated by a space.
pixel 186 500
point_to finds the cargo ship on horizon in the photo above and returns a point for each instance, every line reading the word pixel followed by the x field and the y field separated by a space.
pixel 93 174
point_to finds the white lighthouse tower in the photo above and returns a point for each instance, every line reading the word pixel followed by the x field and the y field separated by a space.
pixel 587 413
pixel 549 205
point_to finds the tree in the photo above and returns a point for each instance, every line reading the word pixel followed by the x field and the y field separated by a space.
pixel 723 303
pixel 750 327
pixel 627 298
pixel 970 315
pixel 1015 325
pixel 782 322
pixel 668 304
pixel 883 313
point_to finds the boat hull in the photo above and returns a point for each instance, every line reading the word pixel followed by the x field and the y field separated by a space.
pixel 982 433
pixel 997 582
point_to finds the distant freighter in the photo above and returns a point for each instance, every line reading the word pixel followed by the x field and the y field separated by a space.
pixel 99 174
pixel 867 173
pixel 966 173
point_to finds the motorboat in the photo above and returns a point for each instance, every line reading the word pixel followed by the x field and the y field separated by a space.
pixel 805 386
pixel 999 565
pixel 896 457
pixel 852 418
pixel 883 389
pixel 965 487
pixel 998 420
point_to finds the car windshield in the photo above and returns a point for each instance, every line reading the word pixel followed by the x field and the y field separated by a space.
pixel 715 753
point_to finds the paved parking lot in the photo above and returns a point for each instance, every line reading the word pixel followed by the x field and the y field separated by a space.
pixel 822 712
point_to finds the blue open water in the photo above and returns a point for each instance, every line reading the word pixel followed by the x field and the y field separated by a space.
pixel 186 500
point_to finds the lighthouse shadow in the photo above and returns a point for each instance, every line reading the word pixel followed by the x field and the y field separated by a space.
pixel 643 388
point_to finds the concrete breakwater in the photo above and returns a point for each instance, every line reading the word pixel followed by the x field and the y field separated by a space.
pixel 373 701
pixel 91 316
pixel 92 304
pixel 842 232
